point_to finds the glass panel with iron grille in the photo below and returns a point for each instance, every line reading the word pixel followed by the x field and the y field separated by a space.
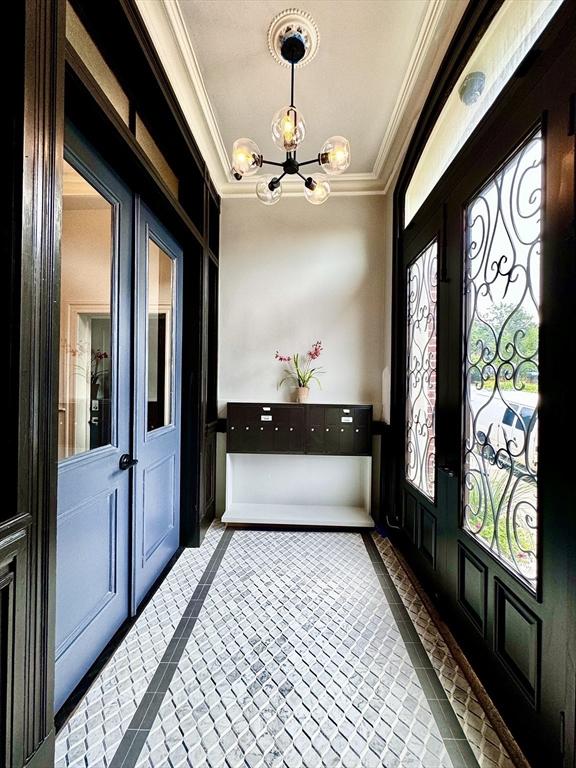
pixel 421 371
pixel 501 310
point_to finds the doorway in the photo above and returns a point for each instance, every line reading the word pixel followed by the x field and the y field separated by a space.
pixel 483 472
pixel 118 410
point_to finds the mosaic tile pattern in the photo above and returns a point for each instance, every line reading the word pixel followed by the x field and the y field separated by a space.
pixel 484 740
pixel 296 659
pixel 92 734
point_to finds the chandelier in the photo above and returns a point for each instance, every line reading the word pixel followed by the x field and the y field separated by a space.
pixel 293 40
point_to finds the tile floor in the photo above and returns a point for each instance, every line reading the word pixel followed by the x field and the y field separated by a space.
pixel 282 648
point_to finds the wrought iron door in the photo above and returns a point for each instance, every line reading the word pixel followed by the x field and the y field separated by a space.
pixel 485 491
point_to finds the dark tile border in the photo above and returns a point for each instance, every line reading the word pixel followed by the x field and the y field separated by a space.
pixel 456 743
pixel 133 740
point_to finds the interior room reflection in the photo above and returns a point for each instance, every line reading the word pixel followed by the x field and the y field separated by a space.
pixel 86 338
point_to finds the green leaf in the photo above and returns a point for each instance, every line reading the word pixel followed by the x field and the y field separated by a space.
pixel 286 378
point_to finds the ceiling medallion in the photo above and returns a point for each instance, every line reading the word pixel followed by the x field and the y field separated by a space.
pixel 293 41
pixel 286 23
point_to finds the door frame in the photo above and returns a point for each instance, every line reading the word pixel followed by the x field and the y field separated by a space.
pixel 30 235
pixel 559 717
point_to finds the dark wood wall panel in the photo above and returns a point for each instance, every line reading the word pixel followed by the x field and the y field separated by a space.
pixel 13 578
pixel 409 517
pixel 517 641
pixel 472 592
pixel 427 535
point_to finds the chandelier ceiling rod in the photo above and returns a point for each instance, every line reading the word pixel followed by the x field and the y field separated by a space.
pixel 288 131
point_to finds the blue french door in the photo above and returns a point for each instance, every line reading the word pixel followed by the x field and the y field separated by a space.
pixel 158 334
pixel 94 410
pixel 118 409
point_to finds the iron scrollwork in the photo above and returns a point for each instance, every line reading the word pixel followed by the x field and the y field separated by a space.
pixel 501 310
pixel 421 371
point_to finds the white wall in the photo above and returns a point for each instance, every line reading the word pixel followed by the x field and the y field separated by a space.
pixel 292 274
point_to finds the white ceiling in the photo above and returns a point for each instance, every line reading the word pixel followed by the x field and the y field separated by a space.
pixel 368 81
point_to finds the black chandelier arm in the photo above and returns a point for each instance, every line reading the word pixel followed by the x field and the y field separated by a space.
pixel 271 162
pixel 309 162
pixel 275 182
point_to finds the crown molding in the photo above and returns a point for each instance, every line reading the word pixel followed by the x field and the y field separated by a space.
pixel 349 184
pixel 435 11
pixel 163 19
pixel 167 28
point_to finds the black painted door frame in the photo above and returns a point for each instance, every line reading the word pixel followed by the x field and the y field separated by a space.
pixel 40 67
pixel 540 711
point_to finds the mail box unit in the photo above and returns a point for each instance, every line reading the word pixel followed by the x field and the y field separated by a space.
pixel 337 430
pixel 265 428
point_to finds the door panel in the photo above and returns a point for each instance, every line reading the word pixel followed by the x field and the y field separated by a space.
pixel 158 332
pixel 94 410
pixel 502 319
pixel 90 529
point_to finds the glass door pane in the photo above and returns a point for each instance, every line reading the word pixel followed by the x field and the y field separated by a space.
pixel 160 336
pixel 421 371
pixel 501 310
pixel 86 349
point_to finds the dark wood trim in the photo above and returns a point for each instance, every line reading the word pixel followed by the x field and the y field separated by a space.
pixel 123 40
pixel 31 240
pixel 470 31
pixel 191 404
pixel 125 43
pixel 141 35
pixel 39 332
pixel 44 755
pixel 123 134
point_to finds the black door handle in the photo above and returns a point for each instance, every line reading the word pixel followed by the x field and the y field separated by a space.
pixel 126 461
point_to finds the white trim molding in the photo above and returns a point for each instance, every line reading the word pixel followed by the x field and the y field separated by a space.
pixel 164 21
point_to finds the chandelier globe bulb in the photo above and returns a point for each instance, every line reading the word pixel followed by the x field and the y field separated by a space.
pixel 334 157
pixel 246 158
pixel 268 190
pixel 288 128
pixel 316 190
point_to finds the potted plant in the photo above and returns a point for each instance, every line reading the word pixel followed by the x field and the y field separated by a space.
pixel 299 369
